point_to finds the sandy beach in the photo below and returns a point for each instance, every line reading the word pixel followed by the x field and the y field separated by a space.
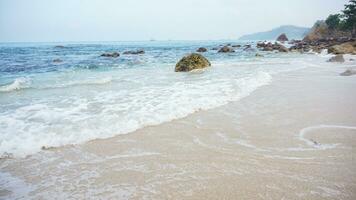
pixel 292 139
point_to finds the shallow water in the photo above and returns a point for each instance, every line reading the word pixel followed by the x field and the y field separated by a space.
pixel 278 127
pixel 85 97
pixel 291 139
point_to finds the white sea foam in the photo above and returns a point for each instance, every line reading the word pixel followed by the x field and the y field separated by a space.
pixel 17 84
pixel 314 144
pixel 76 117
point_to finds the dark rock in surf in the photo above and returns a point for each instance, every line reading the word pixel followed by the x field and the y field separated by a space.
pixel 202 49
pixel 226 49
pixel 57 60
pixel 337 58
pixel 112 55
pixel 236 46
pixel 140 51
pixel 59 46
pixel 348 72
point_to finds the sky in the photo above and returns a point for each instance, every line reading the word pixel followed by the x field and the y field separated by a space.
pixel 128 20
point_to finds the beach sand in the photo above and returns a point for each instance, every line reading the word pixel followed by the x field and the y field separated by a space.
pixel 292 139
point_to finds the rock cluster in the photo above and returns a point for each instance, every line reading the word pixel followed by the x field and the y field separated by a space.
pixel 334 45
pixel 272 47
pixel 191 62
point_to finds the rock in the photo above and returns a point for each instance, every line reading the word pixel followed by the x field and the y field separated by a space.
pixel 337 58
pixel 236 46
pixel 57 60
pixel 135 52
pixel 348 72
pixel 192 62
pixel 344 48
pixel 247 47
pixel 202 49
pixel 226 49
pixel 282 38
pixel 267 49
pixel 215 48
pixel 113 55
pixel 258 55
pixel 283 49
pixel 45 148
pixel 59 46
pixel 271 47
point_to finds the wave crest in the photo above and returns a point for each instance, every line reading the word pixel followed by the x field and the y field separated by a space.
pixel 17 84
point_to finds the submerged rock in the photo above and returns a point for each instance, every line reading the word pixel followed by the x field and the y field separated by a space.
pixel 236 46
pixel 59 46
pixel 337 58
pixel 226 49
pixel 57 60
pixel 113 55
pixel 247 46
pixel 140 51
pixel 345 48
pixel 192 62
pixel 258 55
pixel 282 38
pixel 349 72
pixel 202 49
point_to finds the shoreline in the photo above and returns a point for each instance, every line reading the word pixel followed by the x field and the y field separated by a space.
pixel 252 149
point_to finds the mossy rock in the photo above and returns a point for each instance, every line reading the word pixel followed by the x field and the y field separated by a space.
pixel 345 48
pixel 191 62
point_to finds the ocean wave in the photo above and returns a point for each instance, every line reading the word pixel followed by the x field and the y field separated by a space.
pixel 17 84
pixel 101 81
pixel 119 111
pixel 26 83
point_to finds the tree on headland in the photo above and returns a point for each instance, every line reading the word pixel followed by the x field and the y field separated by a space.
pixel 333 21
pixel 349 17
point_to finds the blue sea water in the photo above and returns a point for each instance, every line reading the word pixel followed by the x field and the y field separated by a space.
pixel 86 96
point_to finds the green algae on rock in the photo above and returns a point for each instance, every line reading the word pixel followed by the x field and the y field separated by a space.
pixel 191 62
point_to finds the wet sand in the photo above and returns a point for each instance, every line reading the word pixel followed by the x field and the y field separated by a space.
pixel 292 139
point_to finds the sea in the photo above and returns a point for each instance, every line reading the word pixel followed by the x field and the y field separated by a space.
pixel 56 94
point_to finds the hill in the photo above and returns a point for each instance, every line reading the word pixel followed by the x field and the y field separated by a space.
pixel 292 32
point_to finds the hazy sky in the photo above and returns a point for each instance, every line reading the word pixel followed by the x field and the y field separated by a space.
pixel 118 20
